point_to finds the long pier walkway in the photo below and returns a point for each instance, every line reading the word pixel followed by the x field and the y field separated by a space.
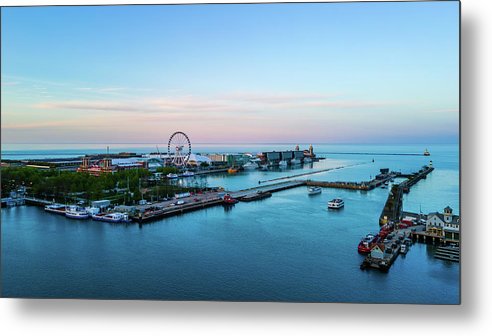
pixel 311 173
pixel 267 188
pixel 393 207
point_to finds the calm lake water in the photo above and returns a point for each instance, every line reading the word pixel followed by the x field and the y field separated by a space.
pixel 285 248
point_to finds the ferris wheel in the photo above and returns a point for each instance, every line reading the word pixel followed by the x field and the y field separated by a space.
pixel 179 149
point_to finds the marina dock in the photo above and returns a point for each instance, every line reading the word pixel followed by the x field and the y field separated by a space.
pixel 383 257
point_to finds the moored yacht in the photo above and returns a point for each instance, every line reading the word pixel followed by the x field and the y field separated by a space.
pixel 336 203
pixel 56 208
pixel 172 176
pixel 76 212
pixel 314 190
pixel 115 217
pixel 188 174
pixel 250 165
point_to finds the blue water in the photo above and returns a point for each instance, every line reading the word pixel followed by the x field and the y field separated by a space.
pixel 285 248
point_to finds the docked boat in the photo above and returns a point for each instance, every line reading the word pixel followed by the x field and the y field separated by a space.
pixel 232 170
pixel 188 174
pixel 76 212
pixel 426 152
pixel 295 162
pixel 282 163
pixel 314 190
pixel 366 243
pixel 56 208
pixel 114 217
pixel 403 249
pixel 251 165
pixel 257 196
pixel 336 203
pixel 229 200
pixel 172 176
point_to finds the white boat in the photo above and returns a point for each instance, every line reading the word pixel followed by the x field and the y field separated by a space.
pixel 115 217
pixel 250 165
pixel 282 163
pixel 336 203
pixel 314 190
pixel 188 174
pixel 56 208
pixel 76 212
pixel 172 176
pixel 403 249
pixel 295 161
pixel 307 160
pixel 93 210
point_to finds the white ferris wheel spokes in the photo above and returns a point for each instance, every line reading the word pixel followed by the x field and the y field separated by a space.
pixel 179 149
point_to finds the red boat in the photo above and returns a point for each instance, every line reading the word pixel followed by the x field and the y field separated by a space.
pixel 367 243
pixel 229 200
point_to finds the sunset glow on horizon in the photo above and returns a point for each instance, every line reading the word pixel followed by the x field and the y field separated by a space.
pixel 298 73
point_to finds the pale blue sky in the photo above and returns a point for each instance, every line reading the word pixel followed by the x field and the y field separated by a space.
pixel 332 72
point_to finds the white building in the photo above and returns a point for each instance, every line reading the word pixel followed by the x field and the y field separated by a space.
pixel 444 224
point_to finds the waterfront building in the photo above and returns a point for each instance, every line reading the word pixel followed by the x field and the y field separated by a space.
pixel 109 166
pixel 444 224
pixel 377 251
pixel 197 159
pixel 217 157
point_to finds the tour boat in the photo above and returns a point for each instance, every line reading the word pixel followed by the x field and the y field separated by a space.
pixel 426 152
pixel 367 243
pixel 115 217
pixel 172 176
pixel 76 212
pixel 336 203
pixel 250 165
pixel 188 174
pixel 56 208
pixel 314 190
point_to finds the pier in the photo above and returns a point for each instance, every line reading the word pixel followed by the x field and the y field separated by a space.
pixel 310 173
pixel 392 210
pixel 386 253
pixel 157 211
pixel 267 188
pixel 369 185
